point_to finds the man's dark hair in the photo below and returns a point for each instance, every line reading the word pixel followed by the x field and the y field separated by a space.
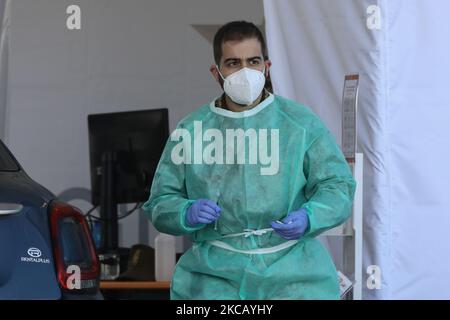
pixel 237 31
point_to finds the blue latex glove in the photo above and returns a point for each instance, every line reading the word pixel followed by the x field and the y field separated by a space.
pixel 202 211
pixel 294 225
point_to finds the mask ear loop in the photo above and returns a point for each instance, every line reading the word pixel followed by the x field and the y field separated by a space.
pixel 218 70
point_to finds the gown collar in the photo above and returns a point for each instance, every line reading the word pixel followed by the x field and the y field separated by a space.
pixel 242 114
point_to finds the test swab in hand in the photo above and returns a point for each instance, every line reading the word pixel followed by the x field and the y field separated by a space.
pixel 283 222
pixel 217 202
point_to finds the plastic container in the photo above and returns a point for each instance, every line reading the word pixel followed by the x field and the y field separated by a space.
pixel 164 257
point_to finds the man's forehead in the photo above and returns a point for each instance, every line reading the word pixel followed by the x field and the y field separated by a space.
pixel 242 49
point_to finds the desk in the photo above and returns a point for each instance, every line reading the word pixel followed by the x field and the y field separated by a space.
pixel 134 285
pixel 153 290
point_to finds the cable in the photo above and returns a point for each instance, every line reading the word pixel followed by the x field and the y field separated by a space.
pixel 90 210
pixel 89 216
pixel 137 206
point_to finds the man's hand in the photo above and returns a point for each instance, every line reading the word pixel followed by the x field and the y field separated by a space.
pixel 294 225
pixel 202 211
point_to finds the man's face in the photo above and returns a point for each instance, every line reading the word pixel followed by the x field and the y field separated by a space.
pixel 239 54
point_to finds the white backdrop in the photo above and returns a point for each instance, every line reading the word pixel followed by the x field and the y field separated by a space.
pixel 401 50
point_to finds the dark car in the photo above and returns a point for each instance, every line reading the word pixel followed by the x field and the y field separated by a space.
pixel 46 248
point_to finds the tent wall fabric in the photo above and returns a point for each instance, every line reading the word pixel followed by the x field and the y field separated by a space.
pixel 400 52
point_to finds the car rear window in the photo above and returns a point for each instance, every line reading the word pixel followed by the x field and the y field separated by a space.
pixel 74 244
pixel 7 163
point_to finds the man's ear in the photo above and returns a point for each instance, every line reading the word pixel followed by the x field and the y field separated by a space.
pixel 214 72
pixel 268 64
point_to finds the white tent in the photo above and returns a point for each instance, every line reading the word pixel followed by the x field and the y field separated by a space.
pixel 401 51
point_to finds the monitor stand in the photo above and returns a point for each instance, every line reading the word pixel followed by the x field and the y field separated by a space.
pixel 109 251
pixel 108 203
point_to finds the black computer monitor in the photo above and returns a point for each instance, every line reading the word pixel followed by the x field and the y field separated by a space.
pixel 125 148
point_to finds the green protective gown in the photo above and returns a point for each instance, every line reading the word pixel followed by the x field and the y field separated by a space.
pixel 312 174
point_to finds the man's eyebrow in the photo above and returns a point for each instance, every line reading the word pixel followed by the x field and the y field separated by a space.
pixel 239 59
pixel 231 59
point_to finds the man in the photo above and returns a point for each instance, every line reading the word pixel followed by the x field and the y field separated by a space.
pixel 253 178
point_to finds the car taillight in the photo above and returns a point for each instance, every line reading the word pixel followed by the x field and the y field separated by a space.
pixel 73 246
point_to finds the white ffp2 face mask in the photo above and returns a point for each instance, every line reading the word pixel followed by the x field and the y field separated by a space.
pixel 244 86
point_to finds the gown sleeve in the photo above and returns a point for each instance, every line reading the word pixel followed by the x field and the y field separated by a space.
pixel 168 201
pixel 330 186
